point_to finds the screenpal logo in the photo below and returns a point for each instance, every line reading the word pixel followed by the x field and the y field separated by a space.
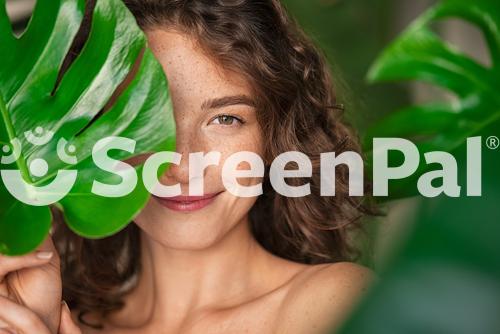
pixel 61 185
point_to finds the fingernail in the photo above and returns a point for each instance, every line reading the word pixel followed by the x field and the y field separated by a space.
pixel 44 255
pixel 65 305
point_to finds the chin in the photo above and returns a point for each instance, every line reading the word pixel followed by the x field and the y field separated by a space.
pixel 187 235
pixel 195 231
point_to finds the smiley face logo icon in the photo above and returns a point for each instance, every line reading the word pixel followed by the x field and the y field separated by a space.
pixel 38 195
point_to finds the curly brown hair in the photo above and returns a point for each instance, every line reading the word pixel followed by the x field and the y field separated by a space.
pixel 297 110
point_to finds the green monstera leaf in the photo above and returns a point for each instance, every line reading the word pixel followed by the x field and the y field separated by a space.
pixel 420 54
pixel 50 121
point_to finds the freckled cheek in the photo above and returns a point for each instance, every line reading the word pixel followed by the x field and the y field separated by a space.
pixel 229 147
pixel 248 138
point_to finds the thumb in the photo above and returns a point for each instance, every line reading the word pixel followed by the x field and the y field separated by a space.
pixel 67 326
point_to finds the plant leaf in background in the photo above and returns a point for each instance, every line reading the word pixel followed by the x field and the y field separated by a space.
pixel 446 277
pixel 79 107
pixel 419 54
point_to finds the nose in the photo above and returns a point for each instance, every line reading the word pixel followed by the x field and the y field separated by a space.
pixel 186 143
pixel 177 174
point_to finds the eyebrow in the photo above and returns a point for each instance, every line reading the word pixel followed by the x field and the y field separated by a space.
pixel 227 101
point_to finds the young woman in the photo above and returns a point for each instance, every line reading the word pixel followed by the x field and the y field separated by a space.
pixel 243 77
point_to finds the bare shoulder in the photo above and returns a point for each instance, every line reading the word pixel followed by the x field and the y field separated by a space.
pixel 322 296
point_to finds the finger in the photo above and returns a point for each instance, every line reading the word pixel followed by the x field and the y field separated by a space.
pixel 21 319
pixel 6 331
pixel 67 326
pixel 45 253
pixel 14 263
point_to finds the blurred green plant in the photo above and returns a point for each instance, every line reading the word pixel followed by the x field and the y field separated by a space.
pixel 420 54
pixel 80 106
pixel 446 277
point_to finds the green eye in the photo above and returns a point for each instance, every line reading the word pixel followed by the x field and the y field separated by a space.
pixel 226 120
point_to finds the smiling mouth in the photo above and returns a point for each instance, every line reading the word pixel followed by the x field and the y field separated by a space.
pixel 187 203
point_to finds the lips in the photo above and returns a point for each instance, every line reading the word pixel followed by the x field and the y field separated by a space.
pixel 187 203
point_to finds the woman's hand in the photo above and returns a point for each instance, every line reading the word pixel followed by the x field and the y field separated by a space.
pixel 31 291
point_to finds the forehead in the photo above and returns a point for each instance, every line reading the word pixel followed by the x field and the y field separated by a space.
pixel 192 74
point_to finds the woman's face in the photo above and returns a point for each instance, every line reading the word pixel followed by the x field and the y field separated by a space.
pixel 211 114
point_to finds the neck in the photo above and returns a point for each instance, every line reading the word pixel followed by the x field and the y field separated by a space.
pixel 174 284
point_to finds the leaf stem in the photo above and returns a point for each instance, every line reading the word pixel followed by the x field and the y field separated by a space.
pixel 11 133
